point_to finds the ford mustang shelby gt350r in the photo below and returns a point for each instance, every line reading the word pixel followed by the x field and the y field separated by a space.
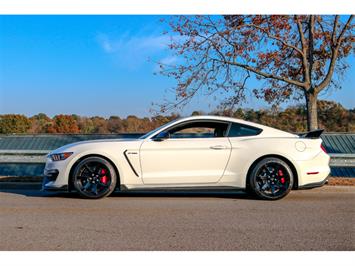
pixel 193 153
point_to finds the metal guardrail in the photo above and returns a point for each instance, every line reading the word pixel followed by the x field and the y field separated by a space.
pixel 39 156
pixel 23 156
pixel 342 160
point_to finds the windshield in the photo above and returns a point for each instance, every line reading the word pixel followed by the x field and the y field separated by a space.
pixel 157 129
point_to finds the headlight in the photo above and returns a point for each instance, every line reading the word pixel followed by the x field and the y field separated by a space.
pixel 60 156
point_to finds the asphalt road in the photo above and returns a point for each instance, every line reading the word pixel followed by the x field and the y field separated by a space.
pixel 319 219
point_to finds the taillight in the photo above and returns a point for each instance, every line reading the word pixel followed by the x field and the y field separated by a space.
pixel 321 146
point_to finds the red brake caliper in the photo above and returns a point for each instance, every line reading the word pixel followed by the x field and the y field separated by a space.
pixel 281 175
pixel 103 178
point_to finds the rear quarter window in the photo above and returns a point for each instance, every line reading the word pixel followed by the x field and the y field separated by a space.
pixel 240 130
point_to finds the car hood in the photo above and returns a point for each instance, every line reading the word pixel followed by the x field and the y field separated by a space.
pixel 80 144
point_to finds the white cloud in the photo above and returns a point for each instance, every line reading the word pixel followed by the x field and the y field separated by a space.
pixel 134 50
pixel 105 43
pixel 169 60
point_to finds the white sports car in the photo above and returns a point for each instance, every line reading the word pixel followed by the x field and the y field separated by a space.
pixel 192 153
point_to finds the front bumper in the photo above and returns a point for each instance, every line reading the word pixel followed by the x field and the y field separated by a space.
pixel 54 176
pixel 50 188
pixel 49 181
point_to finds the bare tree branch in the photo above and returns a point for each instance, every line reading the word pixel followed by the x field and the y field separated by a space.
pixel 261 73
pixel 335 52
pixel 335 25
pixel 275 38
pixel 306 77
pixel 310 49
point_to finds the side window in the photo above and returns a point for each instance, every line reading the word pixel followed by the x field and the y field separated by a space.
pixel 200 129
pixel 240 130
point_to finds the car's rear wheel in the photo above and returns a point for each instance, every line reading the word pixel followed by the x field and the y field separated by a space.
pixel 94 178
pixel 271 179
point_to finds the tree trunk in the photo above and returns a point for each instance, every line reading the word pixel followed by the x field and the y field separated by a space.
pixel 312 115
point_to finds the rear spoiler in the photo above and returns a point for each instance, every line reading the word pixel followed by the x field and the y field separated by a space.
pixel 315 134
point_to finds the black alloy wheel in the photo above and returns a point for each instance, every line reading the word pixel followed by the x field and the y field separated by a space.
pixel 271 179
pixel 94 178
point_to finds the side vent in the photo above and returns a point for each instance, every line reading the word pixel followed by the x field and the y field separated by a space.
pixel 129 162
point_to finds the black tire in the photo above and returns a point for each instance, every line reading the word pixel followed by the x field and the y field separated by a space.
pixel 271 179
pixel 94 178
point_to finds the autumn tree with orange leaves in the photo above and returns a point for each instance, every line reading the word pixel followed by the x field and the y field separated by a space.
pixel 295 57
pixel 63 124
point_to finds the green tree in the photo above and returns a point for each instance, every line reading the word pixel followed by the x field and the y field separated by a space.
pixel 100 125
pixel 11 123
pixel 114 124
pixel 40 123
pixel 334 117
pixel 86 125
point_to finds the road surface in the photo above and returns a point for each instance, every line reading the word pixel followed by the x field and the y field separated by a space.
pixel 318 219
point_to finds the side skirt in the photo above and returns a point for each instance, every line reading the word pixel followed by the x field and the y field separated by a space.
pixel 192 189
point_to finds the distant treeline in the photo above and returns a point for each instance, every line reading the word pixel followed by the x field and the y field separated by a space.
pixel 332 116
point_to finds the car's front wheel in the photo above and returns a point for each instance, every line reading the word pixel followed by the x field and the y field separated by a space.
pixel 271 179
pixel 94 178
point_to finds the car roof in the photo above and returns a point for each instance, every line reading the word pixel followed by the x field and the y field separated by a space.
pixel 219 118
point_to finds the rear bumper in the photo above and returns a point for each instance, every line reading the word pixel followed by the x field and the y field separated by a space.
pixel 315 184
pixel 313 173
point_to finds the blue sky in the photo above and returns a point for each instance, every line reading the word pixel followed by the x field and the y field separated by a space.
pixel 95 65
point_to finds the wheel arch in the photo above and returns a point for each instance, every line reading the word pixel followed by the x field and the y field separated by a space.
pixel 70 179
pixel 290 164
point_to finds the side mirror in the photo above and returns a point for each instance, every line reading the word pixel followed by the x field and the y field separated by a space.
pixel 162 136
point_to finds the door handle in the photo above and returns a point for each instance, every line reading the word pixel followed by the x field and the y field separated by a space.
pixel 218 147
